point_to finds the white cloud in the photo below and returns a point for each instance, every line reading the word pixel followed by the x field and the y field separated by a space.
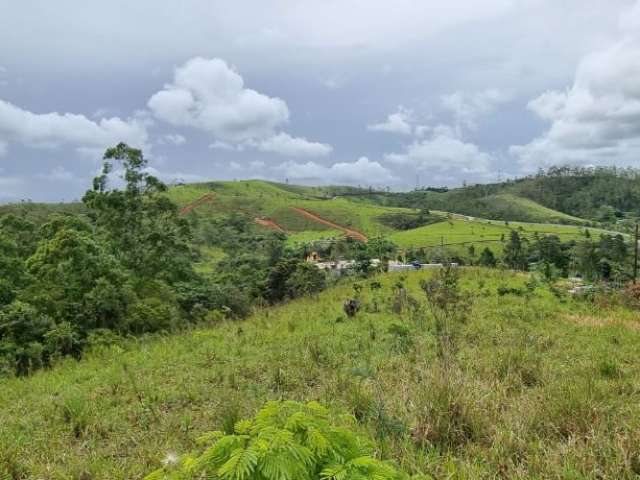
pixel 289 146
pixel 175 177
pixel 398 122
pixel 59 174
pixel 54 129
pixel 209 95
pixel 220 145
pixel 443 151
pixel 596 120
pixel 173 139
pixel 468 107
pixel 363 171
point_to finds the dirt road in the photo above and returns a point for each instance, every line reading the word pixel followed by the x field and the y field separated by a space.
pixel 316 218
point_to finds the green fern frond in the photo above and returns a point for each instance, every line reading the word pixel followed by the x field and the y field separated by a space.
pixel 243 427
pixel 240 466
pixel 209 438
pixel 284 441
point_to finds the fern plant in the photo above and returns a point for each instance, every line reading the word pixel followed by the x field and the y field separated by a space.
pixel 284 441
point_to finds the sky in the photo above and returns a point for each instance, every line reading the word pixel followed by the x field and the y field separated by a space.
pixel 396 94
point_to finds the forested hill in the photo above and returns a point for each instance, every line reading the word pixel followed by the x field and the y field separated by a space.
pixel 560 195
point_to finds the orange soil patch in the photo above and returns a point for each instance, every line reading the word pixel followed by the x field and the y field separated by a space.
pixel 207 198
pixel 265 222
pixel 210 197
pixel 316 218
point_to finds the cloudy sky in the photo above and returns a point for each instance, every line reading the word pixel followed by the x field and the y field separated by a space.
pixel 361 92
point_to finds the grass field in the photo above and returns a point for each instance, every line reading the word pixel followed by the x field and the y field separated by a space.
pixel 263 199
pixel 539 387
pixel 512 206
pixel 461 233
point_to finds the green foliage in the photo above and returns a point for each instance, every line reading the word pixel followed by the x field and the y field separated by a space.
pixel 140 224
pixel 487 258
pixel 284 441
pixel 515 256
pixel 63 278
pixel 408 221
pixel 293 278
pixel 536 384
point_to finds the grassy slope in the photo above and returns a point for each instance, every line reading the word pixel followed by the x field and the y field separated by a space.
pixel 461 233
pixel 503 204
pixel 512 206
pixel 541 389
pixel 265 199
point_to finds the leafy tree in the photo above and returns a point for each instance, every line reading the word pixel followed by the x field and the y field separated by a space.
pixel 285 441
pixel 22 334
pixel 141 225
pixel 77 280
pixel 293 278
pixel 514 252
pixel 587 259
pixel 487 258
pixel 20 231
pixel 550 250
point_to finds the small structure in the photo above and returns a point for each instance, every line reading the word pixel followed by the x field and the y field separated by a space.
pixel 403 267
pixel 313 257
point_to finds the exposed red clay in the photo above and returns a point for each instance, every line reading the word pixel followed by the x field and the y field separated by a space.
pixel 207 198
pixel 210 197
pixel 316 218
pixel 265 222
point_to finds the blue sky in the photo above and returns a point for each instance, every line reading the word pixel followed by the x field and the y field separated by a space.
pixel 341 91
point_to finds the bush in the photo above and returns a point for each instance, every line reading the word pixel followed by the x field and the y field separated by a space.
pixel 293 278
pixel 631 295
pixel 285 440
pixel 150 315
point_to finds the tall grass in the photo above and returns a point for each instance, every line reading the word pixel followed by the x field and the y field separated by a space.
pixel 529 391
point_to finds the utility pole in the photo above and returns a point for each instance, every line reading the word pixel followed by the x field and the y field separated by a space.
pixel 635 256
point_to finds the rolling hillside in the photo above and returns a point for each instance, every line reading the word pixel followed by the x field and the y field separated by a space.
pixel 301 211
pixel 536 389
pixel 306 214
pixel 459 234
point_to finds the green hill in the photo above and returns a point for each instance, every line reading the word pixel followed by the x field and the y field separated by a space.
pixel 282 204
pixel 607 196
pixel 539 387
pixel 480 202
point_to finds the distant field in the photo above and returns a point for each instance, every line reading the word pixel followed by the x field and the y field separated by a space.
pixel 459 233
pixel 266 200
pixel 512 206
pixel 456 231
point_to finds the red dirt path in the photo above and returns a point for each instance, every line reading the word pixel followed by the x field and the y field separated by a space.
pixel 265 222
pixel 316 218
pixel 207 198
pixel 210 197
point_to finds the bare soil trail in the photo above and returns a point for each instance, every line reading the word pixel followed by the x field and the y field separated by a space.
pixel 210 197
pixel 207 198
pixel 316 218
pixel 265 222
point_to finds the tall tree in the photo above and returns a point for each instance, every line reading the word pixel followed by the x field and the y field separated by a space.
pixel 142 226
pixel 515 253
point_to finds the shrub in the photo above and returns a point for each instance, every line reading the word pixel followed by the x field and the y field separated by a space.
pixel 293 278
pixel 285 441
pixel 632 295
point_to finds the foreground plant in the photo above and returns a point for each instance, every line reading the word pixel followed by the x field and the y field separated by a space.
pixel 285 441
